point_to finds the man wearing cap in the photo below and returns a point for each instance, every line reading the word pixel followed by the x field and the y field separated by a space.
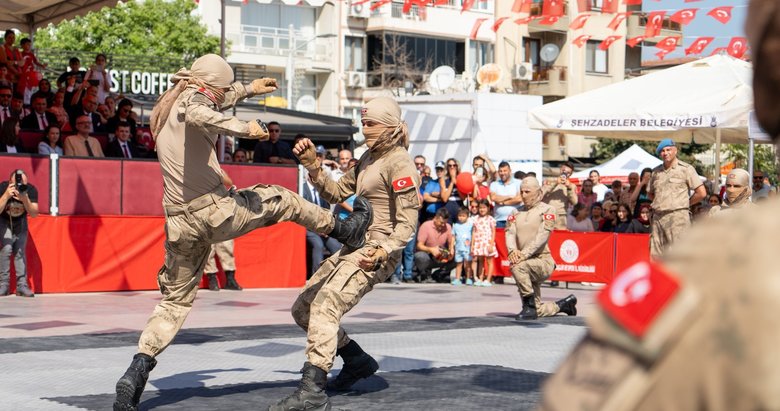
pixel 738 192
pixel 386 176
pixel 668 189
pixel 200 211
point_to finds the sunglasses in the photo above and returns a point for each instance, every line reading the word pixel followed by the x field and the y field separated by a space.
pixel 5 95
pixel 452 165
pixel 758 178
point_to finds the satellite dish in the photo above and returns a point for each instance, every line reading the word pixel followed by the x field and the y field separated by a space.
pixel 489 74
pixel 306 104
pixel 549 53
pixel 442 78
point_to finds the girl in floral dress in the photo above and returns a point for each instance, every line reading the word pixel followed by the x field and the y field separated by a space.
pixel 483 243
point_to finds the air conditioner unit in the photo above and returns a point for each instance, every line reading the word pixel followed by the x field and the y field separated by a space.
pixel 361 11
pixel 356 79
pixel 523 71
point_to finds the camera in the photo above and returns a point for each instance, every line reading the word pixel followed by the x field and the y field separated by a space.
pixel 565 175
pixel 20 186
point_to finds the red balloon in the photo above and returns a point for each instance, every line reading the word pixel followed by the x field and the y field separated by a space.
pixel 465 184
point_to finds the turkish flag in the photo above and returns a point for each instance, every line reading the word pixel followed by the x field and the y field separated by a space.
pixel 699 45
pixel 379 4
pixel 475 28
pixel 579 21
pixel 552 8
pixel 683 16
pixel 467 5
pixel 632 42
pixel 498 23
pixel 608 42
pixel 581 40
pixel 668 43
pixel 584 5
pixel 737 47
pixel 632 2
pixel 662 53
pixel 721 14
pixel 615 23
pixel 525 20
pixel 402 183
pixel 549 20
pixel 609 6
pixel 407 6
pixel 654 21
pixel 440 2
pixel 521 6
pixel 718 50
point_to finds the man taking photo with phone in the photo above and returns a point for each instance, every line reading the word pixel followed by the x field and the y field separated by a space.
pixel 19 199
pixel 562 195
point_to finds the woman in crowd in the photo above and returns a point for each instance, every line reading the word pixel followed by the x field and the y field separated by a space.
pixel 449 193
pixel 610 217
pixel 639 196
pixel 58 109
pixel 713 200
pixel 481 189
pixel 98 76
pixel 44 89
pixel 578 219
pixel 483 243
pixel 123 113
pixel 9 137
pixel 624 218
pixel 597 215
pixel 587 197
pixel 641 224
pixel 51 141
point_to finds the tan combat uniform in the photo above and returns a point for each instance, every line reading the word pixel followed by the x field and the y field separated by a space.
pixel 390 184
pixel 561 197
pixel 200 211
pixel 670 189
pixel 528 232
pixel 713 345
pixel 224 251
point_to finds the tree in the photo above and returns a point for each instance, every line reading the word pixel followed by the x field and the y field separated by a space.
pixel 161 32
pixel 608 148
pixel 764 158
pixel 397 64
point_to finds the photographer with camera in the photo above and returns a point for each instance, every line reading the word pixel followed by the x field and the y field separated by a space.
pixel 19 199
pixel 562 195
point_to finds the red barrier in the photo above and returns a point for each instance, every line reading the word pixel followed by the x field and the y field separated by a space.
pixel 247 175
pixel 630 249
pixel 113 253
pixel 37 169
pixel 583 257
pixel 90 186
pixel 142 188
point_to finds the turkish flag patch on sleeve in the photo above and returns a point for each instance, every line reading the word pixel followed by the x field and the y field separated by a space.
pixel 549 216
pixel 403 183
pixel 511 218
pixel 636 296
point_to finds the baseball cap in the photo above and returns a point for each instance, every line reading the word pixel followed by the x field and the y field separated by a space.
pixel 441 164
pixel 667 142
pixel 321 149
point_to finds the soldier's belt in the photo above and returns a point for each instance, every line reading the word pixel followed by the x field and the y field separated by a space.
pixel 198 203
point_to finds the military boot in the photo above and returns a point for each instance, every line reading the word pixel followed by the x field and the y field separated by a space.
pixel 213 284
pixel 130 387
pixel 351 231
pixel 357 365
pixel 529 308
pixel 22 290
pixel 310 395
pixel 231 283
pixel 568 305
pixel 4 289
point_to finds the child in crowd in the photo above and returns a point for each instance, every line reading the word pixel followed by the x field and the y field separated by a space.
pixel 462 231
pixel 483 243
pixel 29 77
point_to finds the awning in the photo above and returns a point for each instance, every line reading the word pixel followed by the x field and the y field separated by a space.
pixel 29 15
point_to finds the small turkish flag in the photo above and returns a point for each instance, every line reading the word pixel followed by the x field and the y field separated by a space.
pixel 581 40
pixel 632 42
pixel 718 50
pixel 402 183
pixel 579 21
pixel 498 23
pixel 584 5
pixel 608 42
pixel 475 28
pixel 615 23
pixel 737 47
pixel 467 5
pixel 699 45
pixel 721 14
pixel 609 6
pixel 684 16
pixel 549 20
pixel 654 21
pixel 549 217
pixel 526 20
pixel 521 6
pixel 552 8
pixel 661 54
pixel 632 2
pixel 668 43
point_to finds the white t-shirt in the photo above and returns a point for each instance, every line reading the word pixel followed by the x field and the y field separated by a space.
pixel 601 191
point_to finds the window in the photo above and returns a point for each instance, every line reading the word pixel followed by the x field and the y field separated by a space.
pixel 421 50
pixel 596 4
pixel 596 60
pixel 354 55
pixel 279 16
pixel 480 53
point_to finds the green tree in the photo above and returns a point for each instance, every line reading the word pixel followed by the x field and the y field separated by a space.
pixel 608 148
pixel 764 158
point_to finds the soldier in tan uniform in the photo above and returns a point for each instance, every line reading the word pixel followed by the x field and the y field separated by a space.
pixel 223 250
pixel 200 211
pixel 561 195
pixel 669 189
pixel 673 337
pixel 738 192
pixel 527 233
pixel 387 177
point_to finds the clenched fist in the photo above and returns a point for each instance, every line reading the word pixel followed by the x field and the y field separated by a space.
pixel 515 257
pixel 264 85
pixel 258 130
pixel 373 259
pixel 304 150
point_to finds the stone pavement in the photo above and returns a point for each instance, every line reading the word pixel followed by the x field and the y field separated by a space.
pixel 439 347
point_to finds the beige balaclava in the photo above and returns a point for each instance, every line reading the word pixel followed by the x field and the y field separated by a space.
pixel 535 196
pixel 390 130
pixel 738 196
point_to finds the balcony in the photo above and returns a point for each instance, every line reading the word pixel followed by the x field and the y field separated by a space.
pixel 562 25
pixel 275 41
pixel 636 26
pixel 440 21
pixel 549 81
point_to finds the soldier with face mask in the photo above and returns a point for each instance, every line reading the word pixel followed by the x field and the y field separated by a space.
pixel 200 211
pixel 527 233
pixel 738 192
pixel 387 177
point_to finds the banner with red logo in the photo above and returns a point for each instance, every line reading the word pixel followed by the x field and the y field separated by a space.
pixel 587 257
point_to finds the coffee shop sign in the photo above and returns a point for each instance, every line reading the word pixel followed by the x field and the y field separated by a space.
pixel 139 82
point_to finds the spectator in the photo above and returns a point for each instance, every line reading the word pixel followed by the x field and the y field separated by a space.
pixel 587 197
pixel 505 192
pixel 713 200
pixel 615 192
pixel 610 217
pixel 240 156
pixel 435 248
pixel 123 146
pixel 462 231
pixel 39 119
pixel 316 243
pixel 426 175
pixel 641 224
pixel 343 164
pixel 29 77
pixel 624 218
pixel 627 193
pixel 597 215
pixel 10 56
pixel 760 188
pixel 4 76
pixel 98 76
pixel 9 137
pixel 483 242
pixel 419 163
pixel 110 103
pixel 88 108
pixel 5 102
pixel 51 143
pixel 58 110
pixel 483 160
pixel 481 188
pixel 328 166
pixel 432 200
pixel 123 114
pixel 70 90
pixel 519 175
pixel 44 89
pixel 578 219
pixel 82 144
pixel 274 150
pixel 449 193
pixel 74 71
pixel 19 199
pixel 562 194
pixel 598 188
pixel 639 194
pixel 17 106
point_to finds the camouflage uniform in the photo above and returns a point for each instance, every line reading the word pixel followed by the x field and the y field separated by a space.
pixel 561 197
pixel 528 231
pixel 671 201
pixel 226 259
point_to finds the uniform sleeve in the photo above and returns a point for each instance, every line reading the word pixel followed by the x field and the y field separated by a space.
pixel 511 233
pixel 336 191
pixel 236 93
pixel 693 179
pixel 199 112
pixel 542 234
pixel 651 183
pixel 406 203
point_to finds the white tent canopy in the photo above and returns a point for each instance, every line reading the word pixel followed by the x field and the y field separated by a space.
pixel 633 159
pixel 29 15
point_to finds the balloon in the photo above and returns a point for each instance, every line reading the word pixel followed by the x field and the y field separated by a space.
pixel 465 184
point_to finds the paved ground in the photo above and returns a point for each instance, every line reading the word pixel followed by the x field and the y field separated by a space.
pixel 439 347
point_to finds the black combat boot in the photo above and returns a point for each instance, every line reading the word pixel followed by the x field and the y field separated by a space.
pixel 22 290
pixel 231 283
pixel 357 365
pixel 568 305
pixel 529 308
pixel 351 231
pixel 213 284
pixel 310 395
pixel 3 289
pixel 130 387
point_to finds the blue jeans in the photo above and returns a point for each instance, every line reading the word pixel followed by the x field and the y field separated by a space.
pixel 407 261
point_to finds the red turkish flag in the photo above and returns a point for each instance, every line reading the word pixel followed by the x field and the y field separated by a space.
pixel 654 21
pixel 662 53
pixel 407 6
pixel 475 28
pixel 525 20
pixel 609 6
pixel 379 4
pixel 737 47
pixel 683 16
pixel 632 2
pixel 402 183
pixel 467 5
pixel 440 2
pixel 718 50
pixel 521 6
pixel 581 40
pixel 615 23
pixel 632 42
pixel 498 23
pixel 579 21
pixel 668 43
pixel 699 45
pixel 608 42
pixel 552 8
pixel 721 14
pixel 549 20
pixel 584 5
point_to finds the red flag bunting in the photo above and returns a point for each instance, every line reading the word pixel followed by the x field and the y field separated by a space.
pixel 737 47
pixel 467 5
pixel 579 21
pixel 440 2
pixel 699 45
pixel 691 1
pixel 609 6
pixel 526 20
pixel 379 4
pixel 583 5
pixel 521 6
pixel 552 8
pixel 661 54
pixel 719 50
pixel 475 29
pixel 581 40
pixel 498 23
pixel 655 20
pixel 615 23
pixel 608 42
pixel 407 6
pixel 683 16
pixel 549 20
pixel 632 2
pixel 632 42
pixel 721 14
pixel 668 43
